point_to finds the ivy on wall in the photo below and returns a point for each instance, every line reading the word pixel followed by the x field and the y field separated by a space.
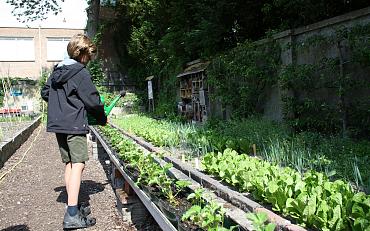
pixel 95 68
pixel 240 77
pixel 330 95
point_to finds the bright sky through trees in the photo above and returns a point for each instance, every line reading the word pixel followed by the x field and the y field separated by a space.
pixel 73 15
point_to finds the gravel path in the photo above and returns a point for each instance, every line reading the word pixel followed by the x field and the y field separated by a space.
pixel 33 195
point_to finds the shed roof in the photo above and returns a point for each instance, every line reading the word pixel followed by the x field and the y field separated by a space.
pixel 195 68
pixel 149 78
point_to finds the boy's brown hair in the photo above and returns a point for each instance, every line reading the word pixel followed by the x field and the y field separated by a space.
pixel 81 47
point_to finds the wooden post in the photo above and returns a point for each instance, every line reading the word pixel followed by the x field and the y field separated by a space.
pixel 116 178
pixel 254 149
pixel 127 188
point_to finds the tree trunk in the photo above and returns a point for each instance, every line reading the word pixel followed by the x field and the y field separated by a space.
pixel 93 18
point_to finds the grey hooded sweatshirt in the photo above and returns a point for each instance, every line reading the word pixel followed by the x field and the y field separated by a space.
pixel 71 94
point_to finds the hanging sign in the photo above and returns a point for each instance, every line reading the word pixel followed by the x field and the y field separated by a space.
pixel 202 98
pixel 150 90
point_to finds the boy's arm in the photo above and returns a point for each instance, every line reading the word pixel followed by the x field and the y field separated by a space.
pixel 91 99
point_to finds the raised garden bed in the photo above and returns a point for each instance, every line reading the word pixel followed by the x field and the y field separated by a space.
pixel 14 135
pixel 237 199
pixel 235 214
pixel 286 200
pixel 152 208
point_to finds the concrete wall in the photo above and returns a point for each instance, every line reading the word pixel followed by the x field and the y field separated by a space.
pixel 273 107
pixel 9 146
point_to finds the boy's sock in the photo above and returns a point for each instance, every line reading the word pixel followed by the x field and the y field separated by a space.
pixel 72 210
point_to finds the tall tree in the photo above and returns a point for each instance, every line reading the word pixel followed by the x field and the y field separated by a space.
pixel 33 10
pixel 38 10
pixel 93 13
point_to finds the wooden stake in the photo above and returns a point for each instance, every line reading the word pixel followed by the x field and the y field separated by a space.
pixel 254 149
pixel 196 163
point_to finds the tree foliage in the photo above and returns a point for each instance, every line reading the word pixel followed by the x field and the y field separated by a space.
pixel 157 37
pixel 32 10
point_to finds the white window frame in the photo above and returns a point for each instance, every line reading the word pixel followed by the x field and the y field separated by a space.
pixel 55 51
pixel 17 49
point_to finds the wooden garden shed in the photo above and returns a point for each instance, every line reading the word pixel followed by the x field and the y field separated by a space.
pixel 194 102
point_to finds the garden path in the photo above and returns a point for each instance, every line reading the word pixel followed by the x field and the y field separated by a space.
pixel 33 195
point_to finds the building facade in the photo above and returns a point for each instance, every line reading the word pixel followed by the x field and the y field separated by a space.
pixel 26 52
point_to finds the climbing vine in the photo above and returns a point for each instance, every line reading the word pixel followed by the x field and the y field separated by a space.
pixel 96 70
pixel 329 95
pixel 239 78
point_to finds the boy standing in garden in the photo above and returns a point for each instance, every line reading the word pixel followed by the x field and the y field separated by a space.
pixel 71 94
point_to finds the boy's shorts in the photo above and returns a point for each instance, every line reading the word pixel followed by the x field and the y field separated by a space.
pixel 73 148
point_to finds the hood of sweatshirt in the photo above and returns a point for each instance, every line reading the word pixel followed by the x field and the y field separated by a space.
pixel 64 71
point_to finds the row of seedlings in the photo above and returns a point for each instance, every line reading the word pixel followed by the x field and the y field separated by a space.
pixel 257 214
pixel 186 209
pixel 311 199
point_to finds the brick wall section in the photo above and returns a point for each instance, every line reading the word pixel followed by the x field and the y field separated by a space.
pixel 31 69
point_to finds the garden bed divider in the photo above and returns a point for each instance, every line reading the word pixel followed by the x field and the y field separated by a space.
pixel 162 221
pixel 232 212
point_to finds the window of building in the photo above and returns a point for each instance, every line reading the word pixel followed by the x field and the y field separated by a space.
pixel 57 48
pixel 17 49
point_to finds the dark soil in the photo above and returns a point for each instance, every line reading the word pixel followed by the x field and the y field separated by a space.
pixel 188 226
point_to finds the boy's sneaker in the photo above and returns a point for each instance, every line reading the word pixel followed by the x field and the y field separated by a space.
pixel 78 221
pixel 84 209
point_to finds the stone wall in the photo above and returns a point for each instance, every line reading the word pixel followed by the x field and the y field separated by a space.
pixel 289 38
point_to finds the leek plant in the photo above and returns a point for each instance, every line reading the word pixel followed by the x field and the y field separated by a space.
pixel 358 179
pixel 293 154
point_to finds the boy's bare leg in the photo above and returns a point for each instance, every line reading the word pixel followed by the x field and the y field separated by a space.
pixel 73 174
pixel 67 174
pixel 73 218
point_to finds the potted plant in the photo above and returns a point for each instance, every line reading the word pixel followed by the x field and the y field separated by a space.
pixel 260 222
pixel 171 205
pixel 149 179
pixel 209 217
